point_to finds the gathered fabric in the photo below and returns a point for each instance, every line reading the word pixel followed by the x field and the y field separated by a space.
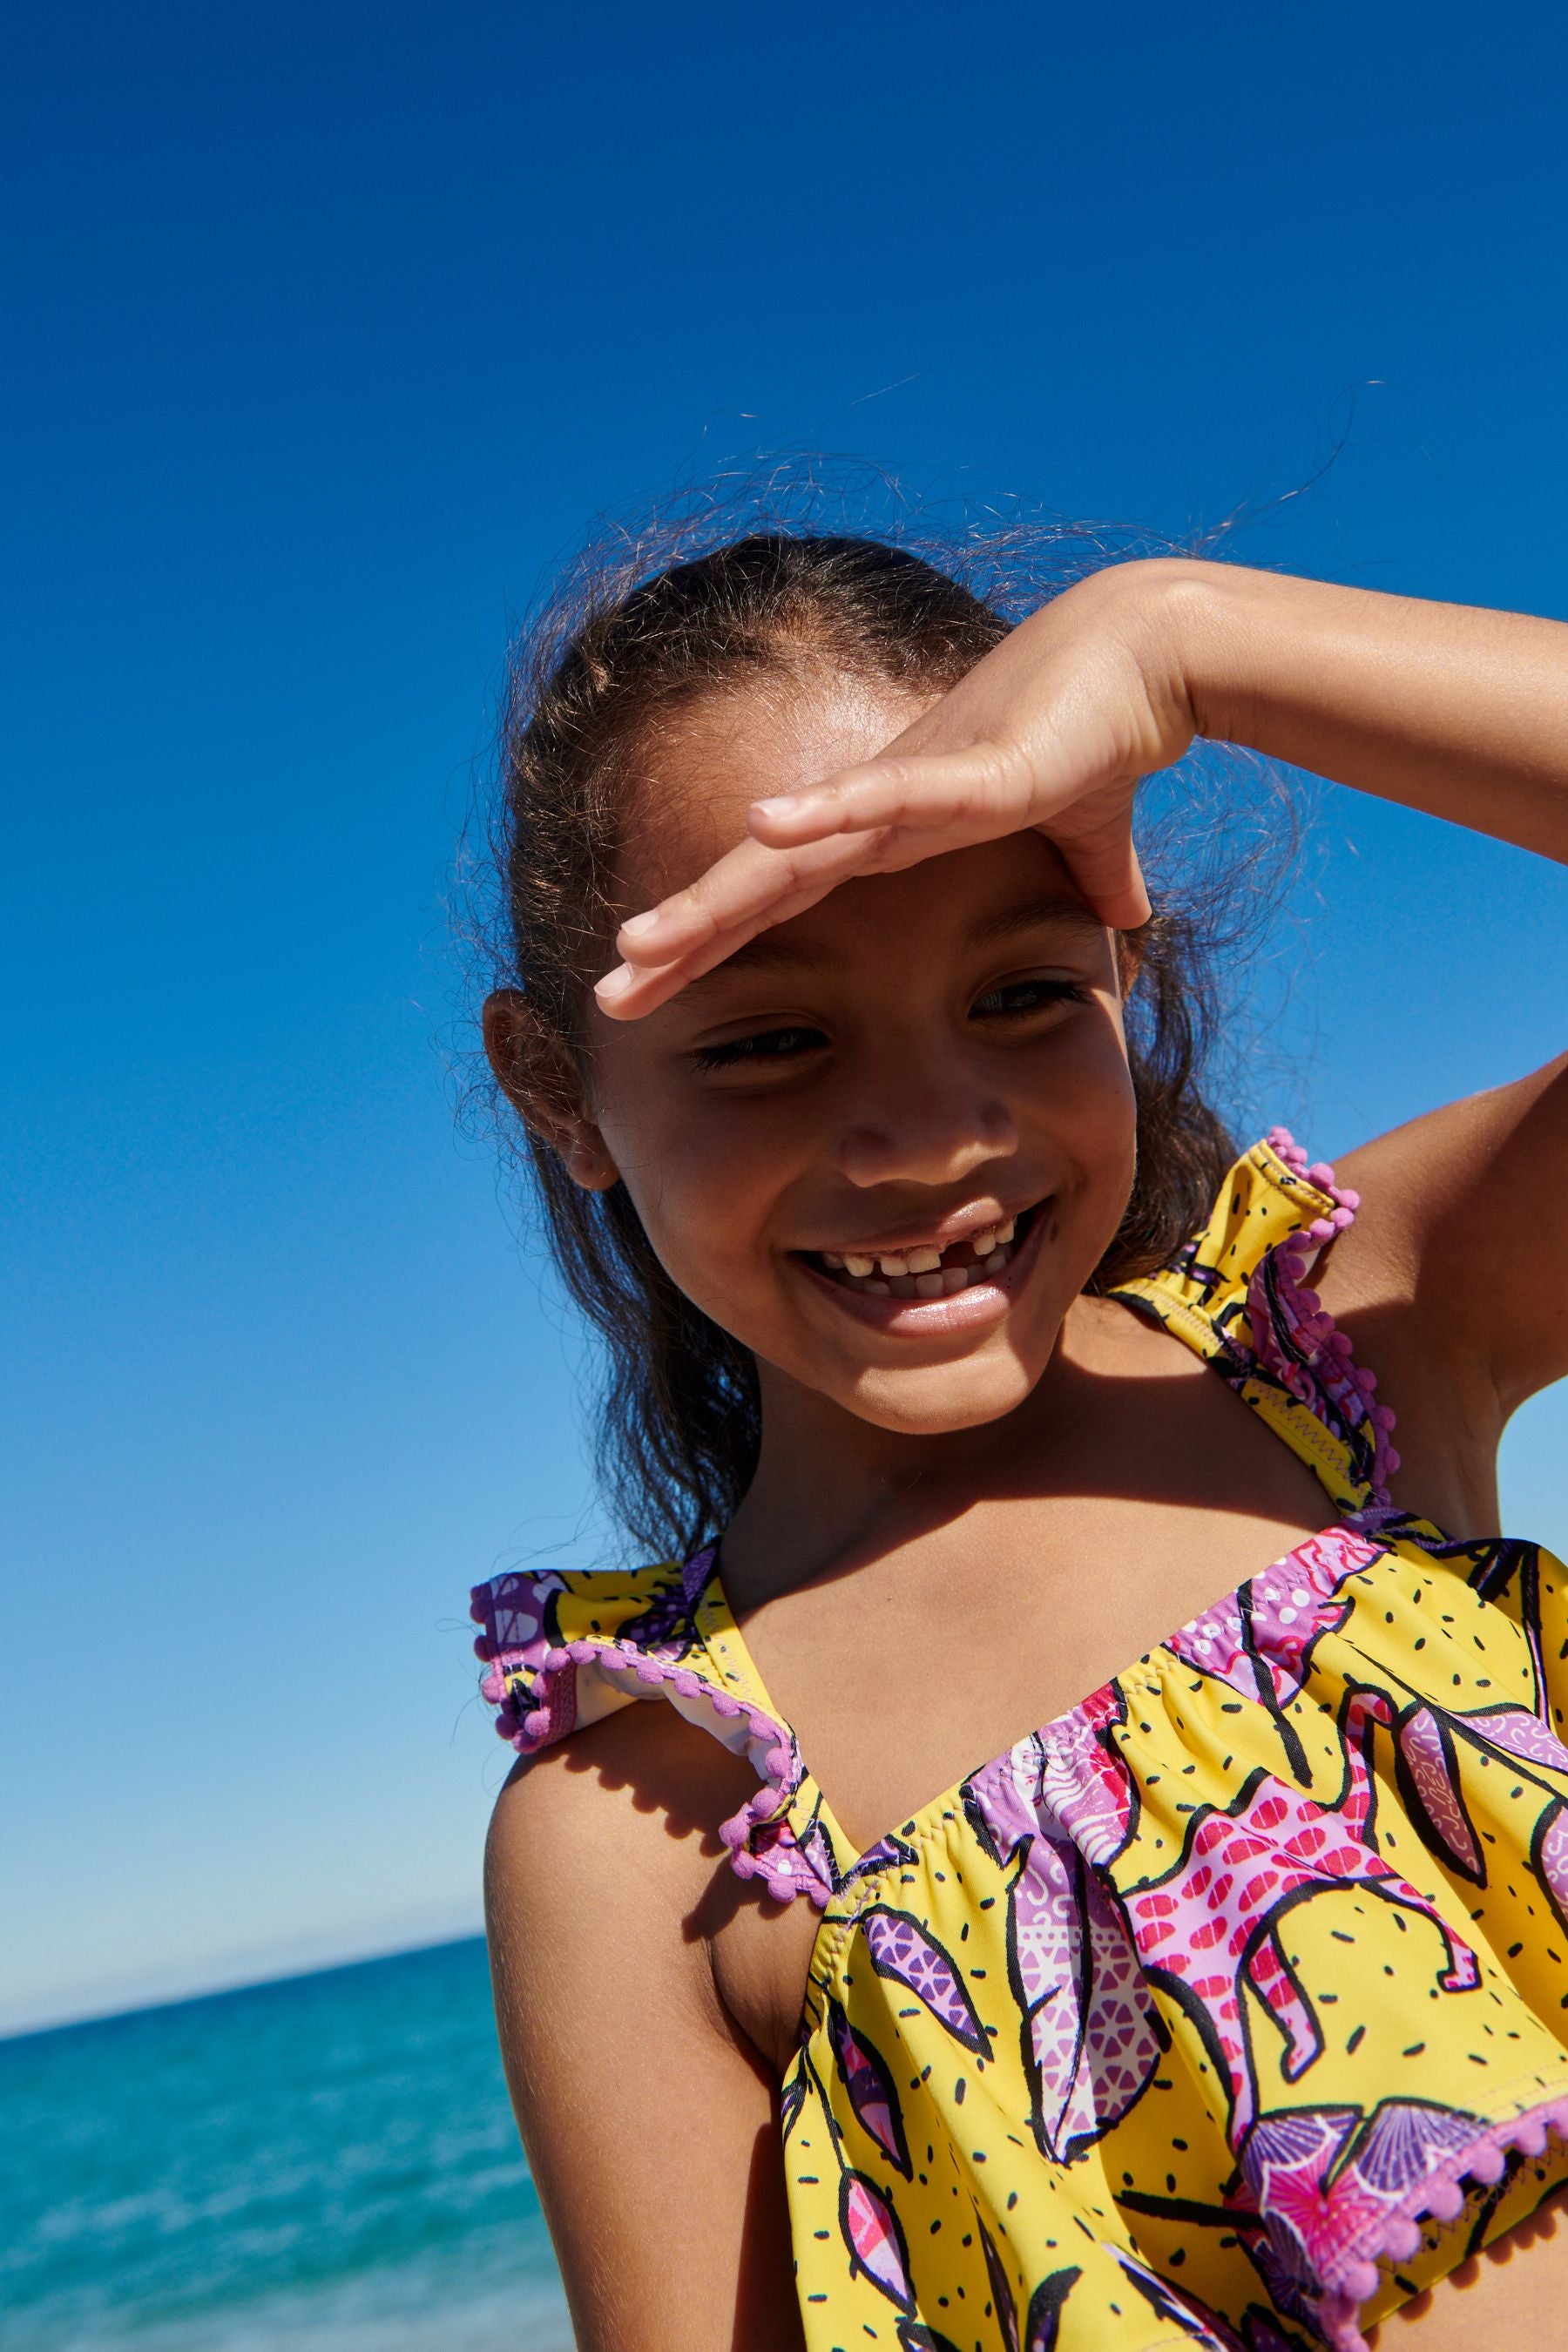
pixel 1230 2007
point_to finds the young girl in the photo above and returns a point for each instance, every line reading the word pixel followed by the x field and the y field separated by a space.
pixel 1019 1443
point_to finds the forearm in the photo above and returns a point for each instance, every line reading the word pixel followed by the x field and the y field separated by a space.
pixel 1445 708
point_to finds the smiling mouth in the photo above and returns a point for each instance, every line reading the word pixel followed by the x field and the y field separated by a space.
pixel 927 1273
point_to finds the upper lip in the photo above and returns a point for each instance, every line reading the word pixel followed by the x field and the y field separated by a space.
pixel 941 1236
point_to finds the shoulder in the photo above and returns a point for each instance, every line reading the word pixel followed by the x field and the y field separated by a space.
pixel 599 1858
pixel 1454 1280
pixel 613 1806
pixel 639 1795
pixel 648 2116
pixel 1462 1233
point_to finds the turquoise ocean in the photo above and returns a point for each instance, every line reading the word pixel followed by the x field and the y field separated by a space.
pixel 328 2164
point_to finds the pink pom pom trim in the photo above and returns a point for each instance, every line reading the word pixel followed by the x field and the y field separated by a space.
pixel 1440 2197
pixel 533 1688
pixel 1316 1361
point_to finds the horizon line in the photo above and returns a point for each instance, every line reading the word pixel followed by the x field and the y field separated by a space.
pixel 224 1986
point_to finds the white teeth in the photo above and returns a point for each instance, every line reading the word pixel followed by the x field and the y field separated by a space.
pixel 919 1273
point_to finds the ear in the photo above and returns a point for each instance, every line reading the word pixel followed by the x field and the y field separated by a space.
pixel 540 1081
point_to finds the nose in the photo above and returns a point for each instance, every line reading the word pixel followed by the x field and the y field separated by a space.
pixel 925 1130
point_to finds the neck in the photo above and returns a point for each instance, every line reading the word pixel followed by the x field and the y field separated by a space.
pixel 829 1483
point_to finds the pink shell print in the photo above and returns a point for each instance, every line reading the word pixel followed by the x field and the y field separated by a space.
pixel 875 2241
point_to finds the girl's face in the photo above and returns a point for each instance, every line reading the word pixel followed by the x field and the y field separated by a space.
pixel 885 1144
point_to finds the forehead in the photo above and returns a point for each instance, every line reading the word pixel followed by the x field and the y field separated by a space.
pixel 700 767
pixel 698 777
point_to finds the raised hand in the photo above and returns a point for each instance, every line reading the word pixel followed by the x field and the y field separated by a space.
pixel 1052 729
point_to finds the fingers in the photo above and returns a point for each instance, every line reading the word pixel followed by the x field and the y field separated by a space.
pixel 749 889
pixel 746 882
pixel 978 794
pixel 924 806
pixel 1112 882
pixel 977 787
pixel 1095 839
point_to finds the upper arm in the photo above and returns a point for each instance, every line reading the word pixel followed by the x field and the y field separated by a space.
pixel 649 2122
pixel 1464 1224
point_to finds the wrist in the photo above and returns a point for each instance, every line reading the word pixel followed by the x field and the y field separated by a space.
pixel 1172 615
pixel 1191 623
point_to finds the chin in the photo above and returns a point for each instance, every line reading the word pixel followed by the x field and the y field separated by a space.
pixel 946 1398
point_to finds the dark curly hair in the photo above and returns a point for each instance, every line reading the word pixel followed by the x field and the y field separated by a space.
pixel 622 644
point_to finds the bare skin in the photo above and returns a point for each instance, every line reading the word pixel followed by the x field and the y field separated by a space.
pixel 932 1046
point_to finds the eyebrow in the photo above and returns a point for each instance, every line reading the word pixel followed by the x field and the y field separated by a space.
pixel 769 951
pixel 1034 914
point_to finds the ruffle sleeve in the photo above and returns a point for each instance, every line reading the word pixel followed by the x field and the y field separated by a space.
pixel 1238 1293
pixel 563 1648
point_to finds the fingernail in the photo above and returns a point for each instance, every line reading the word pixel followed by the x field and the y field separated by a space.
pixel 779 807
pixel 615 983
pixel 639 926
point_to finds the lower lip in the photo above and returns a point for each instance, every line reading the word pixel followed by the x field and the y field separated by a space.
pixel 970 1309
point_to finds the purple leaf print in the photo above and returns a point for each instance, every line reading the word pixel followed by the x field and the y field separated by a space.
pixel 1201 2327
pixel 1427 1752
pixel 890 1853
pixel 1216 1644
pixel 901 1948
pixel 914 2336
pixel 818 1848
pixel 1519 1733
pixel 1000 1800
pixel 665 1628
pixel 1085 1784
pixel 791 2098
pixel 870 2088
pixel 1090 2037
pixel 875 2241
pixel 1000 2289
pixel 1044 2323
pixel 1122 2038
pixel 1551 1856
pixel 517 1613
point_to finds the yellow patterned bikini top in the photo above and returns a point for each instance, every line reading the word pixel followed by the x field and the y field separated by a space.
pixel 1227 2008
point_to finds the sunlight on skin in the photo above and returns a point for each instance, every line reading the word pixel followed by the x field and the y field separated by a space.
pixel 862 1078
pixel 1049 733
pixel 737 1171
pixel 1490 2302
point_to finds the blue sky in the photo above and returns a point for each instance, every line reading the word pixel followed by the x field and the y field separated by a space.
pixel 331 330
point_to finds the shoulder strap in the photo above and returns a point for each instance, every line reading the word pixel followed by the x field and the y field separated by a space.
pixel 1236 1293
pixel 566 1647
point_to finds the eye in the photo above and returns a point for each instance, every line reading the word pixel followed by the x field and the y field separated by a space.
pixel 1016 999
pixel 768 1046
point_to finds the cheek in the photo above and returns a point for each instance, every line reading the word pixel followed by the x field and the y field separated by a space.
pixel 1091 1109
pixel 1089 1081
pixel 703 1174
